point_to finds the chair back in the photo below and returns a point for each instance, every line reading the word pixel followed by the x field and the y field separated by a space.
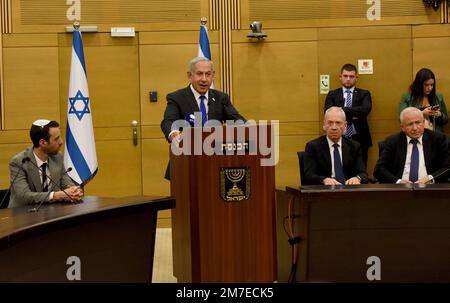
pixel 4 196
pixel 301 155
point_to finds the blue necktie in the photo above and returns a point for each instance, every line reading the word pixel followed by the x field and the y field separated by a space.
pixel 348 103
pixel 414 167
pixel 338 171
pixel 203 110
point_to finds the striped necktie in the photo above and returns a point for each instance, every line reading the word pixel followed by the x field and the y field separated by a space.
pixel 348 103
pixel 44 177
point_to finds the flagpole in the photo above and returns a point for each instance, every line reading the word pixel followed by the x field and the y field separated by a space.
pixel 76 25
pixel 203 20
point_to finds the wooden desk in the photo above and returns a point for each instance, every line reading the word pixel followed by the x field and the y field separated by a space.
pixel 113 237
pixel 407 227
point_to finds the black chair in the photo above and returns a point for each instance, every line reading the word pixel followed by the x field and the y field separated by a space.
pixel 380 147
pixel 301 155
pixel 4 196
pixel 372 179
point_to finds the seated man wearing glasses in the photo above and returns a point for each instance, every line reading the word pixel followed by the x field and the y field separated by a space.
pixel 37 174
pixel 334 159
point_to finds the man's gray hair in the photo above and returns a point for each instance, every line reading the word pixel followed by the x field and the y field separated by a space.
pixel 335 108
pixel 196 60
pixel 410 110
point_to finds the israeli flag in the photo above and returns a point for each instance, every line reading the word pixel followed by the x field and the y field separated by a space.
pixel 203 45
pixel 79 152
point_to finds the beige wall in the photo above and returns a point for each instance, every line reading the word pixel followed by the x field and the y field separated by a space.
pixel 274 79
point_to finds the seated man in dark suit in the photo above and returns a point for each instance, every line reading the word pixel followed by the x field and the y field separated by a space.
pixel 415 155
pixel 197 97
pixel 333 159
pixel 356 103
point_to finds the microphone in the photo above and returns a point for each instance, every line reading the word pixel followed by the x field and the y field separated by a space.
pixel 55 184
pixel 13 180
pixel 441 173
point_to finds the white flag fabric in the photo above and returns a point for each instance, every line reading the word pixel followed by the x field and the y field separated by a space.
pixel 79 153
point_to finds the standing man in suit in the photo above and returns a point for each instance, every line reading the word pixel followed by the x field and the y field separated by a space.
pixel 356 103
pixel 197 97
pixel 32 170
pixel 334 159
pixel 415 155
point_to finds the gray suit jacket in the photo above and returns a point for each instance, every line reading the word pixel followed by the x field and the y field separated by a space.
pixel 27 187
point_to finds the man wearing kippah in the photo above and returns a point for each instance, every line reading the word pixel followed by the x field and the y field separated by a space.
pixel 37 174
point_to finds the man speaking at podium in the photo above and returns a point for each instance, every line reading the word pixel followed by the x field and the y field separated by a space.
pixel 197 97
pixel 37 173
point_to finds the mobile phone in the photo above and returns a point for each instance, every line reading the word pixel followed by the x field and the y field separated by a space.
pixel 435 107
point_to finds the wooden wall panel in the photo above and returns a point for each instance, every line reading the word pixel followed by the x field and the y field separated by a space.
pixel 154 162
pixel 31 85
pixel 331 13
pixel 113 78
pixel 276 80
pixel 30 16
pixel 390 48
pixel 431 49
pixel 155 157
pixel 7 151
pixel 119 172
pixel 163 68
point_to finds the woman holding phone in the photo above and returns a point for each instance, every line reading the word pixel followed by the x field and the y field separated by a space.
pixel 422 94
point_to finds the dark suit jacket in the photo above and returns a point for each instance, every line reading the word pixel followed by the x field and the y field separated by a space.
pixel 361 107
pixel 317 161
pixel 390 165
pixel 27 187
pixel 182 102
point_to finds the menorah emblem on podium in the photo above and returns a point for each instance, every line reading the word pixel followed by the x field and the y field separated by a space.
pixel 235 176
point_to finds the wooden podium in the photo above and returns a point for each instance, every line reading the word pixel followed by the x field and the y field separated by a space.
pixel 215 240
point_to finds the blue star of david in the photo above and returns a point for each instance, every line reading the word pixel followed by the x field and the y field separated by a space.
pixel 79 113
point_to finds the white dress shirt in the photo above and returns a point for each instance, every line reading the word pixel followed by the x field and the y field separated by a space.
pixel 197 98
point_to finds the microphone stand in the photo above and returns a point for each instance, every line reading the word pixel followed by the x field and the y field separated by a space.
pixel 12 182
pixel 27 159
pixel 36 209
pixel 440 174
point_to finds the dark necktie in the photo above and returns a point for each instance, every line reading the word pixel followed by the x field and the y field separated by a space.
pixel 414 167
pixel 338 171
pixel 348 103
pixel 203 109
pixel 44 177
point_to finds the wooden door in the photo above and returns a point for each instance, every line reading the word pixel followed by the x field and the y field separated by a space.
pixel 112 67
